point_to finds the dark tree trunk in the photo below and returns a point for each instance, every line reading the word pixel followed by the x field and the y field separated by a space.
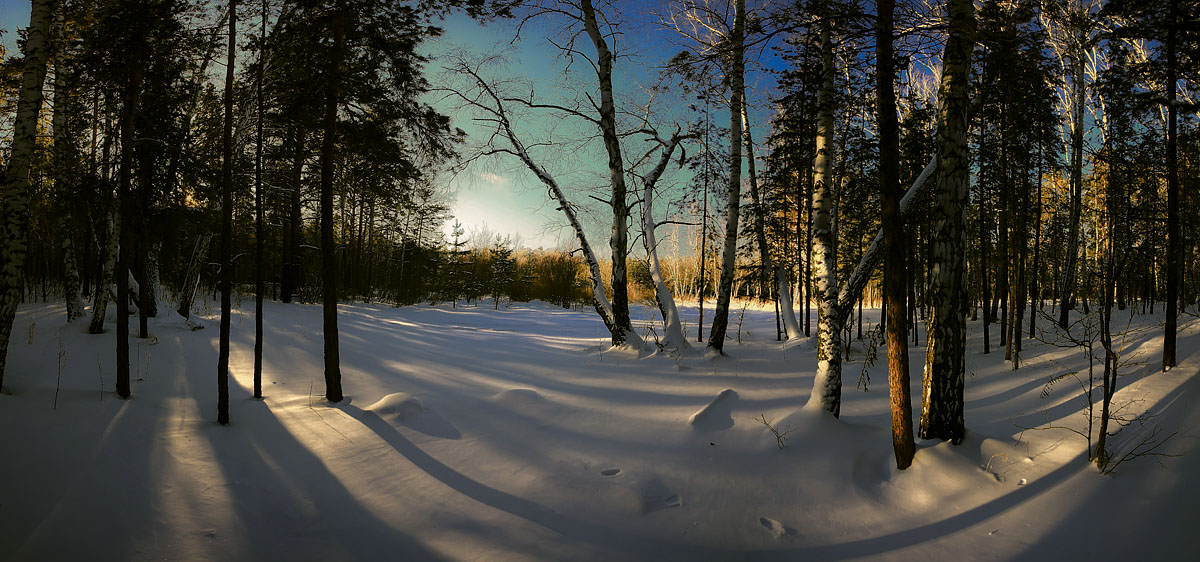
pixel 259 230
pixel 333 372
pixel 1174 241
pixel 226 225
pixel 716 337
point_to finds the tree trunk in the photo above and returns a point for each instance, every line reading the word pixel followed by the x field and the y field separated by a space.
pixel 109 260
pixel 827 385
pixel 15 205
pixel 673 337
pixel 329 269
pixel 292 232
pixel 619 241
pixel 945 365
pixel 1174 240
pixel 737 65
pixel 769 269
pixel 893 227
pixel 1071 267
pixel 260 286
pixel 226 225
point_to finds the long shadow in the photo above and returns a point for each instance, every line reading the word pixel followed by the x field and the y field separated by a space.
pixel 290 505
pixel 607 541
pixel 932 531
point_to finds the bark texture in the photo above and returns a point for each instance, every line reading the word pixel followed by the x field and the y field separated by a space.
pixel 619 241
pixel 943 376
pixel 737 66
pixel 16 177
pixel 827 386
pixel 895 288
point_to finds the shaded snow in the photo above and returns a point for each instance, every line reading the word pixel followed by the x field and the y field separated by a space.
pixel 518 434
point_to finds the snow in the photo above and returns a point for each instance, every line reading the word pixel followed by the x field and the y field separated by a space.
pixel 518 434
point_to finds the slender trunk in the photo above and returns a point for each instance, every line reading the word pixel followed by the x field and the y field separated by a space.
pixel 619 241
pixel 720 324
pixel 945 338
pixel 333 372
pixel 259 230
pixel 226 225
pixel 673 337
pixel 1067 302
pixel 827 385
pixel 1035 272
pixel 893 226
pixel 1174 241
pixel 769 269
pixel 65 159
pixel 15 205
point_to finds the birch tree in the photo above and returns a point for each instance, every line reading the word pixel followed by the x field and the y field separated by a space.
pixel 827 385
pixel 943 376
pixel 13 248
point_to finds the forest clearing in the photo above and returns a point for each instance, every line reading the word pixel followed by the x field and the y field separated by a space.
pixel 470 433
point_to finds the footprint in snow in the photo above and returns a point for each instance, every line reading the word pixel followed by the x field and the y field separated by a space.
pixel 777 529
pixel 656 496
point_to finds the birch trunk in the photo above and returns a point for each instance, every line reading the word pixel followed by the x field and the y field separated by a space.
pixel 827 385
pixel 111 248
pixel 942 399
pixel 599 298
pixel 716 338
pixel 16 177
pixel 619 241
pixel 673 337
pixel 64 158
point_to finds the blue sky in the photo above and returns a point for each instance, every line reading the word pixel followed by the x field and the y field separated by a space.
pixel 13 14
pixel 500 195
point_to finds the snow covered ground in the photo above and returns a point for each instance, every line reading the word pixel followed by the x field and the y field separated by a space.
pixel 474 434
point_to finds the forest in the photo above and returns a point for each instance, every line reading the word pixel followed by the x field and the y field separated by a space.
pixel 990 205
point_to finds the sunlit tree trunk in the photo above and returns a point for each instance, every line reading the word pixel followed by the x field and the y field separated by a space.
pixel 827 386
pixel 893 229
pixel 942 401
pixel 619 241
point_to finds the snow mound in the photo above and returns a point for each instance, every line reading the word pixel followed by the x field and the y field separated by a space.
pixel 718 413
pixel 398 406
pixel 519 397
pixel 944 472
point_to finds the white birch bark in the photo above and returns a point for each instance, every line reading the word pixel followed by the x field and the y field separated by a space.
pixel 827 385
pixel 16 176
pixel 673 337
pixel 619 241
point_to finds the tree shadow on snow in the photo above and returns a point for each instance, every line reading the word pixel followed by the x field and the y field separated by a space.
pixel 288 502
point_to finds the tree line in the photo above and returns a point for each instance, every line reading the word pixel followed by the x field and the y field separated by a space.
pixel 1015 161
